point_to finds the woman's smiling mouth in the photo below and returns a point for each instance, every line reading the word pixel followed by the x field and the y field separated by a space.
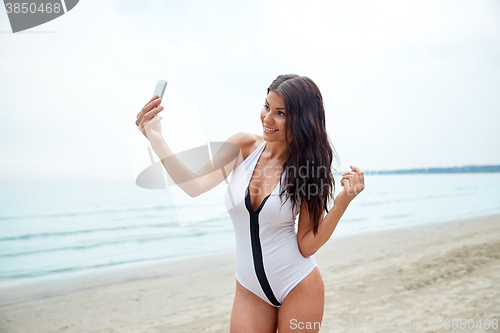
pixel 269 130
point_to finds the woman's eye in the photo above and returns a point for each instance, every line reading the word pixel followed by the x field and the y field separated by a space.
pixel 281 113
pixel 266 107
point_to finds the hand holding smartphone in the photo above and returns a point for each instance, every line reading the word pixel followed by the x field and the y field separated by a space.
pixel 160 90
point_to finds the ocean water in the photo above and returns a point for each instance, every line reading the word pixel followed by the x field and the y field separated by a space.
pixel 49 229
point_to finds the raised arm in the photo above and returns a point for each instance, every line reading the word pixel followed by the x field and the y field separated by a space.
pixel 193 183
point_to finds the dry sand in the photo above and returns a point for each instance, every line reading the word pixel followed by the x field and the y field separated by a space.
pixel 426 273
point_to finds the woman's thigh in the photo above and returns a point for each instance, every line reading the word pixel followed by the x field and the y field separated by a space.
pixel 302 309
pixel 251 313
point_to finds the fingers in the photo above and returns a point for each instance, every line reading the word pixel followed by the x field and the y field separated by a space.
pixel 152 121
pixel 154 103
pixel 355 168
pixel 349 175
pixel 146 112
pixel 148 116
pixel 153 112
pixel 354 178
pixel 349 178
pixel 360 177
pixel 358 171
pixel 152 98
pixel 149 105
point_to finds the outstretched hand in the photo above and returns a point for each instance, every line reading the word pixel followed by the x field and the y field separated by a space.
pixel 149 126
pixel 353 183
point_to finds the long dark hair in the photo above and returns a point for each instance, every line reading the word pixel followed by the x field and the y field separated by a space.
pixel 308 145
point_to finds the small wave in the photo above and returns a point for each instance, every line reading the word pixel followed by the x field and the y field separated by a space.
pixel 33 274
pixel 372 203
pixel 396 216
pixel 355 219
pixel 79 232
pixel 448 195
pixel 85 247
pixel 143 217
pixel 89 231
pixel 465 188
pixel 95 212
pixel 75 269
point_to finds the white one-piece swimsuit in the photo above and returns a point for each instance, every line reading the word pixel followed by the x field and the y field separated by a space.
pixel 268 260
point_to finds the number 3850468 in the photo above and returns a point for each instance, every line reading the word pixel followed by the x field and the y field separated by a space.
pixel 32 8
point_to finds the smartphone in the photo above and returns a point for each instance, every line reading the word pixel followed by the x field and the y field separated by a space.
pixel 160 90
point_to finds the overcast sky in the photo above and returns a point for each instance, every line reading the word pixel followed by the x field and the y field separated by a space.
pixel 406 84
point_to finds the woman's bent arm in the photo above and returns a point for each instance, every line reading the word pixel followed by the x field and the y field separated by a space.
pixel 308 242
pixel 354 183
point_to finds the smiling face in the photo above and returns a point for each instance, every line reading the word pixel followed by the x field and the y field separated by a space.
pixel 273 117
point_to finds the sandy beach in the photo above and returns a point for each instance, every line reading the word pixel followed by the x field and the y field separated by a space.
pixel 425 274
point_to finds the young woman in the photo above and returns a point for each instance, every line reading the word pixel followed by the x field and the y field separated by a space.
pixel 279 175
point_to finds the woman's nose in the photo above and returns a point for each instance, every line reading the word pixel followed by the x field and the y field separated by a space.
pixel 268 117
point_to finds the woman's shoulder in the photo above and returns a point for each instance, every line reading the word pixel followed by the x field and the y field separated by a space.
pixel 247 142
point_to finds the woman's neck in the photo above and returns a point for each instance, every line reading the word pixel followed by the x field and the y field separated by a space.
pixel 276 151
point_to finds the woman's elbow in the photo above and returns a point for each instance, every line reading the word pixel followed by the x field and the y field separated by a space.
pixel 192 189
pixel 193 193
pixel 305 251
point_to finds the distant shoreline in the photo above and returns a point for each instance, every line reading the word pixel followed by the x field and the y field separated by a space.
pixel 463 169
